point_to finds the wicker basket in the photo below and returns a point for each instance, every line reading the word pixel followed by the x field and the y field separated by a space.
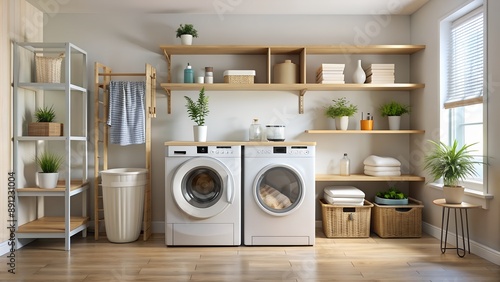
pixel 45 129
pixel 346 221
pixel 48 69
pixel 239 76
pixel 403 221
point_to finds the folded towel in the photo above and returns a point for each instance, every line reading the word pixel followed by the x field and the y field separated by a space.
pixel 381 161
pixel 274 198
pixel 332 200
pixel 344 192
pixel 382 173
pixel 126 112
pixel 382 168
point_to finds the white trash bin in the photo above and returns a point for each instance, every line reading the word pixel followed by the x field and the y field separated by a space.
pixel 123 200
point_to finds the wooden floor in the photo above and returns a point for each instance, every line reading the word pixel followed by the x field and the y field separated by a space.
pixel 364 259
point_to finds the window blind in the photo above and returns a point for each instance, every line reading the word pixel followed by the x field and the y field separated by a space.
pixel 466 61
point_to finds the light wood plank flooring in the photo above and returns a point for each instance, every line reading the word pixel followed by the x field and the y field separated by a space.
pixel 360 259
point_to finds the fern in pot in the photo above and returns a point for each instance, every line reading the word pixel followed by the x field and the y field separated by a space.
pixel 393 111
pixel 341 110
pixel 198 111
pixel 452 164
pixel 49 164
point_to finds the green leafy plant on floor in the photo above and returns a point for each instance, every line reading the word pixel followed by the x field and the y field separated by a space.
pixel 45 114
pixel 187 29
pixel 198 110
pixel 392 193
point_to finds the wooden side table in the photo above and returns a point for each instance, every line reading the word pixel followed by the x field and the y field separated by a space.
pixel 462 208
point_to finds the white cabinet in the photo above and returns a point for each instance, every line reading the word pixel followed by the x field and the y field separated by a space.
pixel 69 99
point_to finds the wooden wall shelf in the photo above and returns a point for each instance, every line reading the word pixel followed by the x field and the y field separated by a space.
pixel 362 177
pixel 327 131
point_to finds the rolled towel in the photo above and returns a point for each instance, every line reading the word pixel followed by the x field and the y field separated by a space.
pixel 382 168
pixel 273 198
pixel 382 173
pixel 381 161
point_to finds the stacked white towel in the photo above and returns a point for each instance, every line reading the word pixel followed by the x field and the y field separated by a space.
pixel 344 195
pixel 382 166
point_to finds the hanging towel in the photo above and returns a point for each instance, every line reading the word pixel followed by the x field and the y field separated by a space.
pixel 381 161
pixel 382 168
pixel 126 112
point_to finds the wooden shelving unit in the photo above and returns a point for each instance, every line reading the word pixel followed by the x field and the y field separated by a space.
pixel 269 51
pixel 327 131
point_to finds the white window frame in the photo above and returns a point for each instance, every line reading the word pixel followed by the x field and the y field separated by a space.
pixel 479 193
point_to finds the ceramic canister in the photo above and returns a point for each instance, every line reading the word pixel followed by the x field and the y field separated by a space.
pixel 286 72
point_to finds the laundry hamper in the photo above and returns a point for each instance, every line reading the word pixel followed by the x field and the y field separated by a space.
pixel 48 69
pixel 123 201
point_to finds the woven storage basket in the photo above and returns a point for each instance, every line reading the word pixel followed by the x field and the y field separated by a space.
pixel 346 221
pixel 48 69
pixel 403 221
pixel 239 79
pixel 45 129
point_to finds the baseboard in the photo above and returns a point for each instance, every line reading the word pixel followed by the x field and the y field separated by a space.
pixel 475 248
pixel 5 247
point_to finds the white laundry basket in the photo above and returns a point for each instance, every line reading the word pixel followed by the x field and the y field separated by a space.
pixel 123 199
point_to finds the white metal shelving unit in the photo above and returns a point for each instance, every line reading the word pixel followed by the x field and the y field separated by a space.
pixel 28 94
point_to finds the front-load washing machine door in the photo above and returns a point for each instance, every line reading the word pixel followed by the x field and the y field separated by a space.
pixel 279 189
pixel 203 187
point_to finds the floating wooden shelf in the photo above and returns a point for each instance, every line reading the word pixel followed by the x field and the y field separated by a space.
pixel 362 177
pixel 326 131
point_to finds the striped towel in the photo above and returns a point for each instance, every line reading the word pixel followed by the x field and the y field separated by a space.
pixel 126 112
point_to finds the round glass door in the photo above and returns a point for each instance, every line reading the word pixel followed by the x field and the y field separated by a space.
pixel 203 187
pixel 279 189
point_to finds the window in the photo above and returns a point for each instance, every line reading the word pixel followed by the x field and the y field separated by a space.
pixel 463 112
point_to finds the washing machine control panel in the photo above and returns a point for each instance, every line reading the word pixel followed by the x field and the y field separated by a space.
pixel 276 151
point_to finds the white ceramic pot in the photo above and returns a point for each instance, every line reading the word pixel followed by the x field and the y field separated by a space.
pixel 342 123
pixel 394 122
pixel 359 75
pixel 200 133
pixel 47 180
pixel 186 39
pixel 453 195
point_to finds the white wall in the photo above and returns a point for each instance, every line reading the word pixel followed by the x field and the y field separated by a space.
pixel 484 224
pixel 127 42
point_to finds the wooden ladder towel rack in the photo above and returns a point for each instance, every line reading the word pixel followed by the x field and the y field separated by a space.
pixel 102 78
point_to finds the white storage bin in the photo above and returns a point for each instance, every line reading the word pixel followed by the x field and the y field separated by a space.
pixel 123 199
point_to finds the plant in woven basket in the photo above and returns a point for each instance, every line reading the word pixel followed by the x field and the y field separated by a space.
pixel 45 114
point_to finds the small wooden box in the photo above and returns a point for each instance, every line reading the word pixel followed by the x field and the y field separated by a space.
pixel 45 129
pixel 346 221
pixel 239 76
pixel 393 221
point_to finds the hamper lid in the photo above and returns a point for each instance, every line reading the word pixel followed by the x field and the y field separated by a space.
pixel 344 191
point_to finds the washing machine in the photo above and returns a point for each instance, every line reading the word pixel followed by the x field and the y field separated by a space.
pixel 279 194
pixel 202 194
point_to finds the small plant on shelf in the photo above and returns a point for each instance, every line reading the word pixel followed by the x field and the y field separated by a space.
pixel 394 108
pixel 45 114
pixel 186 29
pixel 340 108
pixel 392 193
pixel 49 162
pixel 198 110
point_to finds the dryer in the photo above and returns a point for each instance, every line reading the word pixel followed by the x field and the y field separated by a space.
pixel 279 194
pixel 202 194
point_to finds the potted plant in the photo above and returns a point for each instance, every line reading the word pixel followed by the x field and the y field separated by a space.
pixel 391 197
pixel 393 111
pixel 45 125
pixel 452 164
pixel 197 111
pixel 186 33
pixel 341 110
pixel 49 164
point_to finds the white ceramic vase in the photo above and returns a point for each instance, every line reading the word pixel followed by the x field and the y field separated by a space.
pixel 186 39
pixel 342 123
pixel 453 195
pixel 47 180
pixel 359 75
pixel 394 122
pixel 200 133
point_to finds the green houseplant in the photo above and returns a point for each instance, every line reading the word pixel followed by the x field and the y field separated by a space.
pixel 392 196
pixel 45 125
pixel 49 164
pixel 186 33
pixel 452 164
pixel 198 111
pixel 341 110
pixel 393 111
